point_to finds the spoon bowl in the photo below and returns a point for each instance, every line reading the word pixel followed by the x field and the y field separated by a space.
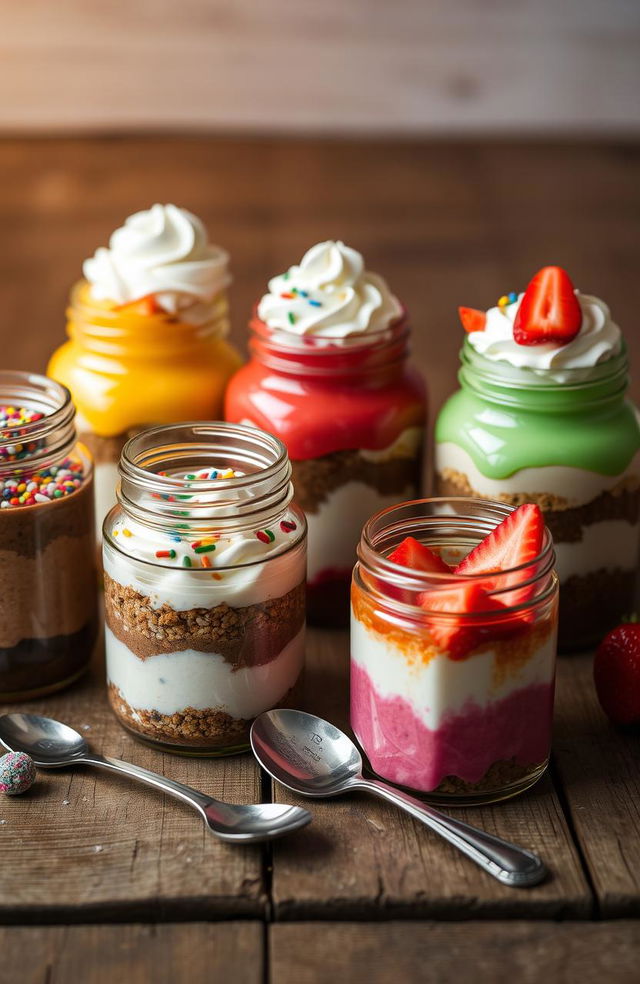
pixel 314 758
pixel 53 745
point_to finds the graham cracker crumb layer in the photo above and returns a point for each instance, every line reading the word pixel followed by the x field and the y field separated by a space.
pixel 565 522
pixel 248 636
pixel 316 478
pixel 498 776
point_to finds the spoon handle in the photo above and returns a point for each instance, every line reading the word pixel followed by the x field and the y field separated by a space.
pixel 177 789
pixel 510 864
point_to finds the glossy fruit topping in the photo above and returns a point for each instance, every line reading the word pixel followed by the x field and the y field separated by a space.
pixel 411 553
pixel 616 672
pixel 549 310
pixel 454 634
pixel 516 540
pixel 472 319
pixel 146 306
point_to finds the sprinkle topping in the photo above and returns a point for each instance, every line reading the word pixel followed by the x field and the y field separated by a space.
pixel 44 485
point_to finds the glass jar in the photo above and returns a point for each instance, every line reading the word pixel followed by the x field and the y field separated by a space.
pixel 569 441
pixel 456 705
pixel 48 612
pixel 204 560
pixel 352 415
pixel 130 367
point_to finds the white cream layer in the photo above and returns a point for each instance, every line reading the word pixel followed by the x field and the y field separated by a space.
pixel 334 531
pixel 183 589
pixel 170 682
pixel 611 544
pixel 442 686
pixel 576 485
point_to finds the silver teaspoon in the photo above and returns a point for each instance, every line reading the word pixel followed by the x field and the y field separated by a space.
pixel 311 757
pixel 53 745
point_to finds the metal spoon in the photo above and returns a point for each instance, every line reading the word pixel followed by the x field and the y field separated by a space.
pixel 311 757
pixel 53 745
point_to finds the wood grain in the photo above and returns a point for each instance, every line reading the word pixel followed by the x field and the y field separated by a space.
pixel 89 846
pixel 415 65
pixel 168 954
pixel 600 771
pixel 447 953
pixel 364 859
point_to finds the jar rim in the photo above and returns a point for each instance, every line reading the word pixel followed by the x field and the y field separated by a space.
pixel 54 432
pixel 380 529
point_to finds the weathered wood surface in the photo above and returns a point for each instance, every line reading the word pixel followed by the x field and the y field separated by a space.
pixel 85 845
pixel 446 223
pixel 599 767
pixel 199 953
pixel 365 859
pixel 448 953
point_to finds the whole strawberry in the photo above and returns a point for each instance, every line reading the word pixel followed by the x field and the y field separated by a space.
pixel 616 672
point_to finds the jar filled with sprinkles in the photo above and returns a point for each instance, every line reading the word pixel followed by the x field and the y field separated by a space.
pixel 205 562
pixel 48 607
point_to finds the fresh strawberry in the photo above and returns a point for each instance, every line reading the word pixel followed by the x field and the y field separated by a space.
pixel 411 553
pixel 549 310
pixel 472 319
pixel 616 672
pixel 456 637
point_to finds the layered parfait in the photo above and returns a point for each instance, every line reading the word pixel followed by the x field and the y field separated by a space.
pixel 542 417
pixel 329 375
pixel 147 330
pixel 204 563
pixel 48 623
pixel 453 644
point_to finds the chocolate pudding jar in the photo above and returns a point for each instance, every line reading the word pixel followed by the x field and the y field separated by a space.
pixel 330 376
pixel 48 612
pixel 204 560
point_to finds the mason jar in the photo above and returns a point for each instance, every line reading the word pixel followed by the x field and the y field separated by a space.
pixel 568 440
pixel 48 607
pixel 454 704
pixel 352 417
pixel 204 559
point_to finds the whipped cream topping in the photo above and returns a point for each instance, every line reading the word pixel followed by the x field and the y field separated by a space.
pixel 329 295
pixel 599 338
pixel 163 251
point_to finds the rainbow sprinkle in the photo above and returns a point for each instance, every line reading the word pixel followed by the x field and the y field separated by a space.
pixel 13 423
pixel 44 485
pixel 291 318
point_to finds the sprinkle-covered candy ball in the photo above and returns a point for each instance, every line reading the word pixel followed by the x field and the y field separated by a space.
pixel 17 773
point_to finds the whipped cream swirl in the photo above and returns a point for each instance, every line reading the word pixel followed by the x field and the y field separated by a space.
pixel 329 295
pixel 599 339
pixel 163 251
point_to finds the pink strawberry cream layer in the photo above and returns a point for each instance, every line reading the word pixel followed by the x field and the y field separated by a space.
pixel 421 716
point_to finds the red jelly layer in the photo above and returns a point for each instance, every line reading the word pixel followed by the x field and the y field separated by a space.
pixel 401 748
pixel 329 399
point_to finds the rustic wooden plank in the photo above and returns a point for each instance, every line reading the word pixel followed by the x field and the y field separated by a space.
pixel 600 769
pixel 88 846
pixel 197 952
pixel 427 65
pixel 447 953
pixel 446 223
pixel 365 859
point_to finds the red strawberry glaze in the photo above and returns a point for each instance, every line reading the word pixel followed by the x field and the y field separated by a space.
pixel 329 397
pixel 401 748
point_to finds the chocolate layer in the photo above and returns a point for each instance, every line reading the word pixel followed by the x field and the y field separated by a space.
pixel 248 636
pixel 44 664
pixel 315 478
pixel 27 531
pixel 564 521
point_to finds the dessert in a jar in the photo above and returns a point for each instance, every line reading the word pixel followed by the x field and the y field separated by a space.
pixel 329 374
pixel 453 646
pixel 48 611
pixel 147 333
pixel 542 416
pixel 204 561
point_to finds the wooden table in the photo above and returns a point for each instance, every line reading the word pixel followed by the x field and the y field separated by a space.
pixel 103 880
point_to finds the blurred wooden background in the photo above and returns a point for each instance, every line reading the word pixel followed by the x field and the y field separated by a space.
pixel 424 66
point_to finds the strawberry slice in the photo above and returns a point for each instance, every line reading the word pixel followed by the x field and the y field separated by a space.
pixel 456 637
pixel 472 319
pixel 411 553
pixel 549 310
pixel 516 540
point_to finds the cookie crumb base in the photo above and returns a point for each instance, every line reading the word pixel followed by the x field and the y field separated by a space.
pixel 501 781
